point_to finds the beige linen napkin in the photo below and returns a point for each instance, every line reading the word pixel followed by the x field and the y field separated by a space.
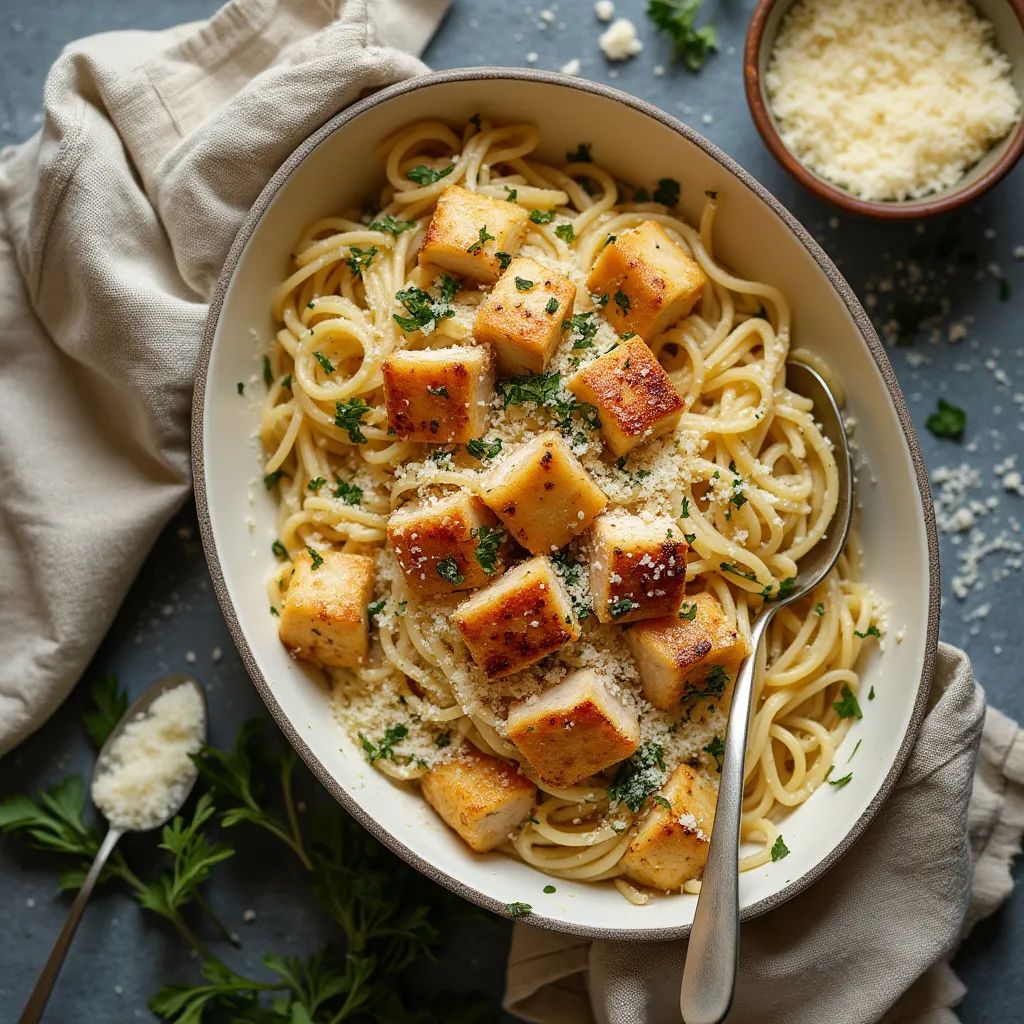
pixel 871 940
pixel 114 223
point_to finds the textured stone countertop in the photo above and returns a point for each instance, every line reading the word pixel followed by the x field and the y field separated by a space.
pixel 171 621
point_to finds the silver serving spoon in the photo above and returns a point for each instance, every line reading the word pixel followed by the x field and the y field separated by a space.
pixel 709 974
pixel 41 993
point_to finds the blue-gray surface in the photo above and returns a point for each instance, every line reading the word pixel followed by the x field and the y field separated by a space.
pixel 170 619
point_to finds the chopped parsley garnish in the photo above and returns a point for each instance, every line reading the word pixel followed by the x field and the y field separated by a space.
pixel 440 456
pixel 522 285
pixel 642 196
pixel 786 587
pixel 675 18
pixel 565 233
pixel 424 175
pixel 947 421
pixel 518 909
pixel 241 388
pixel 623 606
pixel 626 337
pixel 689 538
pixel 440 392
pixel 870 631
pixel 360 259
pixel 448 569
pixel 715 683
pixel 841 782
pixel 603 300
pixel 443 740
pixel 546 389
pixel 638 777
pixel 348 415
pixel 716 748
pixel 268 376
pixel 910 316
pixel 475 121
pixel 572 574
pixel 688 612
pixel 608 241
pixel 659 799
pixel 286 380
pixel 488 541
pixel 667 192
pixel 779 850
pixel 315 557
pixel 271 479
pixel 324 362
pixel 549 889
pixel 504 259
pixel 512 196
pixel 315 484
pixel 542 216
pixel 274 611
pixel 389 224
pixel 819 608
pixel 685 514
pixel 481 449
pixel 738 499
pixel 279 549
pixel 375 608
pixel 847 706
pixel 622 301
pixel 583 329
pixel 482 238
pixel 351 494
pixel 425 312
pixel 737 571
pixel 551 306
pixel 394 735
pixel 710 193
pixel 871 693
pixel 581 155
pixel 855 749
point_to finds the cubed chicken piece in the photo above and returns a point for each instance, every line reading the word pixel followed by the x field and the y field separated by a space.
pixel 542 493
pixel 453 544
pixel 635 397
pixel 574 729
pixel 466 231
pixel 696 652
pixel 637 568
pixel 481 797
pixel 518 619
pixel 441 395
pixel 522 317
pixel 323 618
pixel 671 846
pixel 650 281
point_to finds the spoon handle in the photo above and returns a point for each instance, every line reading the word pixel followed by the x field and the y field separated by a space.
pixel 41 993
pixel 709 973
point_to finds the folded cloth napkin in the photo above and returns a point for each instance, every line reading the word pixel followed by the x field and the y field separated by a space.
pixel 114 224
pixel 871 940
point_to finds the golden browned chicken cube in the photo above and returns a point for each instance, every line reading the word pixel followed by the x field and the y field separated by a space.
pixel 671 846
pixel 468 229
pixel 518 619
pixel 481 797
pixel 635 397
pixel 522 317
pixel 441 395
pixel 542 493
pixel 696 652
pixel 446 545
pixel 637 568
pixel 576 728
pixel 649 279
pixel 323 618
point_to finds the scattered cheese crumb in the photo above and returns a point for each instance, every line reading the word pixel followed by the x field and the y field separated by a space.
pixel 619 41
pixel 604 9
pixel 532 57
pixel 571 67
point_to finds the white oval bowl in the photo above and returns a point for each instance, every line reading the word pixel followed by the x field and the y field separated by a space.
pixel 338 167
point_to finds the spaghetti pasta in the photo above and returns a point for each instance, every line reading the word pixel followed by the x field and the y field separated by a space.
pixel 747 475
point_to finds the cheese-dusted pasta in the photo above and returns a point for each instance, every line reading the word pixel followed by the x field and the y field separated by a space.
pixel 537 469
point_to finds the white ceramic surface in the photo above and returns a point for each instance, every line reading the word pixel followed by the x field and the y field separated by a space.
pixel 339 167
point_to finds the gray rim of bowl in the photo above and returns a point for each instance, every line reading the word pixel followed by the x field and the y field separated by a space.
pixel 867 333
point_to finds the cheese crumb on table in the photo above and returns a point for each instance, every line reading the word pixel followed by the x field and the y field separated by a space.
pixel 890 101
pixel 619 41
pixel 147 772
pixel 604 9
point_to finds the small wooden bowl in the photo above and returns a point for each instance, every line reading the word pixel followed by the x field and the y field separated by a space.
pixel 1007 17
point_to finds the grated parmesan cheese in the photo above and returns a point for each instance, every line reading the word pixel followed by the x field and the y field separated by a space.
pixel 147 772
pixel 619 41
pixel 890 100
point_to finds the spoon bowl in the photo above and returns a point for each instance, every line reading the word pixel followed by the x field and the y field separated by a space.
pixel 709 973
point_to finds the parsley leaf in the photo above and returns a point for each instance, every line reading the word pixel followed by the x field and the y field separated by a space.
pixel 241 388
pixel 383 749
pixel 268 374
pixel 552 306
pixel 448 569
pixel 316 558
pixel 737 571
pixel 350 494
pixel 440 392
pixel 110 703
pixel 315 484
pixel 688 613
pixel 279 549
pixel 504 259
pixel 667 192
pixel 375 608
pixel 622 301
pixel 847 706
pixel 582 330
pixel 481 449
pixel 566 233
pixel 542 216
pixel 661 801
pixel 391 226
pixel 327 365
pixel 581 155
pixel 488 542
pixel 642 196
pixel 424 175
pixel 819 608
pixel 513 194
pixel 779 850
pixel 518 909
pixel 623 606
pixel 522 285
pixel 675 18
pixel 443 740
pixel 271 479
pixel 947 421
pixel 360 259
pixel 685 514
pixel 638 777
pixel 841 782
pixel 549 889
pixel 425 312
pixel 716 748
pixel 715 683
pixel 349 415
pixel 483 237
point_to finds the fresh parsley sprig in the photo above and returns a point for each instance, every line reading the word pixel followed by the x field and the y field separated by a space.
pixel 689 44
